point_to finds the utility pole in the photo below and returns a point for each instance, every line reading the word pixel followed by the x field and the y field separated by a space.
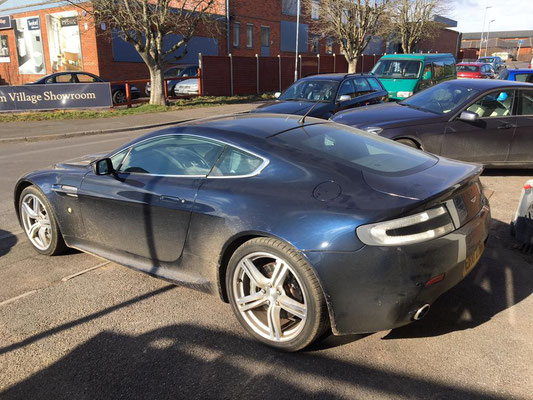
pixel 297 33
pixel 482 29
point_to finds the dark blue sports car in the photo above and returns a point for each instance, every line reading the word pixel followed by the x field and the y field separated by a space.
pixel 300 225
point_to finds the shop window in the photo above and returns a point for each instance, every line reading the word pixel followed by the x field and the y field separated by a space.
pixel 329 45
pixel 315 44
pixel 29 45
pixel 315 9
pixel 64 41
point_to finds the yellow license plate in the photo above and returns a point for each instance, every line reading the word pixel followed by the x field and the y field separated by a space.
pixel 472 260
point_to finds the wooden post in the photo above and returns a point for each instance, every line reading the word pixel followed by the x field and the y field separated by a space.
pixel 128 95
pixel 231 72
pixel 279 64
pixel 318 63
pixel 257 70
pixel 200 75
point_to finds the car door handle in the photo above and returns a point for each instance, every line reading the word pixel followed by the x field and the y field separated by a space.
pixel 506 125
pixel 172 199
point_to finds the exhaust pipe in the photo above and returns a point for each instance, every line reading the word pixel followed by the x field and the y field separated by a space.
pixel 421 312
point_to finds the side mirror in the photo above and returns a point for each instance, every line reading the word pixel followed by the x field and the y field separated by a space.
pixel 103 167
pixel 344 98
pixel 277 94
pixel 468 116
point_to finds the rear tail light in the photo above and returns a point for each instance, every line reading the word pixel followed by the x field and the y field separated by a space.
pixel 427 225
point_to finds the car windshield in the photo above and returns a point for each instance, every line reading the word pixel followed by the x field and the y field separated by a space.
pixel 355 148
pixel 311 90
pixel 440 99
pixel 468 68
pixel 397 69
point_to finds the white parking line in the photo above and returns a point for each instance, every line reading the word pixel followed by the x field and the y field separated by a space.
pixel 20 296
pixel 67 278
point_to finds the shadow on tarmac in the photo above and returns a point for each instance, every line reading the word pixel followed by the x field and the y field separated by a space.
pixel 7 241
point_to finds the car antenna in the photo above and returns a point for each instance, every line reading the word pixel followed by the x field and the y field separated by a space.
pixel 302 120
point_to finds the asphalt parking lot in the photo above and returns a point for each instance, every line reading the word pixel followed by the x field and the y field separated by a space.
pixel 111 332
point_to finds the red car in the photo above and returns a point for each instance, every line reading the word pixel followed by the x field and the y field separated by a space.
pixel 475 70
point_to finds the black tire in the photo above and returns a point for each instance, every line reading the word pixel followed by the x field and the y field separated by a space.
pixel 408 142
pixel 57 244
pixel 119 97
pixel 307 329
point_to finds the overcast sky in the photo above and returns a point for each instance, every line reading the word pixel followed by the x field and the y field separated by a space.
pixel 509 15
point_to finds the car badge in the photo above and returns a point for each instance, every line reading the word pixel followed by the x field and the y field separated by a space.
pixel 473 199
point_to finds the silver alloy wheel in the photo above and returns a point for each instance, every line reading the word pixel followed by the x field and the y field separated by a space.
pixel 36 221
pixel 120 97
pixel 270 296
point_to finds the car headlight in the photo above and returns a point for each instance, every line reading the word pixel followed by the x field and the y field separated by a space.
pixel 404 94
pixel 373 129
pixel 427 225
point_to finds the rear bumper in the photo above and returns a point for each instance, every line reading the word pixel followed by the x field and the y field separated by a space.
pixel 380 288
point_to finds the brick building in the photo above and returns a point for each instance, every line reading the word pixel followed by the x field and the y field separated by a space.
pixel 41 37
pixel 517 44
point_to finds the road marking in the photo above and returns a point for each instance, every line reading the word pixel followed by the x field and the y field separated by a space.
pixel 67 278
pixel 20 296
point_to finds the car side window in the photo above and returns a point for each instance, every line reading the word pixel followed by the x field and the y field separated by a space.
pixel 84 78
pixel 494 104
pixel 374 84
pixel 524 78
pixel 52 79
pixel 235 162
pixel 347 88
pixel 65 78
pixel 362 85
pixel 525 102
pixel 172 155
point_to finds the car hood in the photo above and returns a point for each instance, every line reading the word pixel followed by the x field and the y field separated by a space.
pixel 386 114
pixel 287 107
pixel 79 162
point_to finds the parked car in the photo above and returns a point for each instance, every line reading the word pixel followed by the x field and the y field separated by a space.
pixel 475 71
pixel 186 87
pixel 520 75
pixel 118 92
pixel 299 225
pixel 326 94
pixel 496 62
pixel 177 71
pixel 480 120
pixel 405 74
pixel 531 63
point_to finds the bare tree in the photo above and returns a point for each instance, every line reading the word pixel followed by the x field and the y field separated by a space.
pixel 413 21
pixel 352 22
pixel 144 24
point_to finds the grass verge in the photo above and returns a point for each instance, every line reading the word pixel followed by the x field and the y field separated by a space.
pixel 136 109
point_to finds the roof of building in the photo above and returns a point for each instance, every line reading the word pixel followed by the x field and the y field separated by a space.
pixel 499 34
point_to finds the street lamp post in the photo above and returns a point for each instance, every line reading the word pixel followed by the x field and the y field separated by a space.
pixel 488 34
pixel 297 34
pixel 482 29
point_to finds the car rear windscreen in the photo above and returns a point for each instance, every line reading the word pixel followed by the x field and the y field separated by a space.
pixel 356 148
pixel 468 68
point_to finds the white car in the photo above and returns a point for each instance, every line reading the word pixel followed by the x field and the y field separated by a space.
pixel 188 86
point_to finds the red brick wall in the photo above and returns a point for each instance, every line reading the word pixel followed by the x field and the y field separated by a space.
pixel 447 41
pixel 9 71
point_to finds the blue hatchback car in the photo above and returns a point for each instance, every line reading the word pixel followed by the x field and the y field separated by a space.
pixel 519 75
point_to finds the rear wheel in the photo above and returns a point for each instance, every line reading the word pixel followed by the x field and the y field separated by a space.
pixel 408 142
pixel 275 294
pixel 40 223
pixel 119 97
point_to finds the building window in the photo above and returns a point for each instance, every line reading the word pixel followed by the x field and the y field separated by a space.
pixel 289 7
pixel 236 34
pixel 315 44
pixel 265 36
pixel 315 9
pixel 329 45
pixel 249 36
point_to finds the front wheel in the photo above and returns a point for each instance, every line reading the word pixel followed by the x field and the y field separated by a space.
pixel 275 294
pixel 119 97
pixel 40 223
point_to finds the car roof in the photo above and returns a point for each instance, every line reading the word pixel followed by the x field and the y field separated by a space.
pixel 335 76
pixel 487 84
pixel 246 125
pixel 520 71
pixel 416 56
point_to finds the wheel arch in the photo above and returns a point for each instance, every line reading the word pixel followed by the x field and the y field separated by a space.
pixel 411 139
pixel 20 186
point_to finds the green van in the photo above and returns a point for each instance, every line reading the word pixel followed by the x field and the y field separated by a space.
pixel 405 74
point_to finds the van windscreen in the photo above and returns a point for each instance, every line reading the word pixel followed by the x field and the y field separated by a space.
pixel 397 69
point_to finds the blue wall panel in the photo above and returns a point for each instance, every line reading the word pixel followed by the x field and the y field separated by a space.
pixel 288 37
pixel 125 52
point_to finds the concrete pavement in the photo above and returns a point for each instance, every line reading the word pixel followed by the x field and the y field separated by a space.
pixel 13 132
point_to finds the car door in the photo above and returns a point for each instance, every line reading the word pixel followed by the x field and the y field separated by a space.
pixel 522 145
pixel 487 140
pixel 144 208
